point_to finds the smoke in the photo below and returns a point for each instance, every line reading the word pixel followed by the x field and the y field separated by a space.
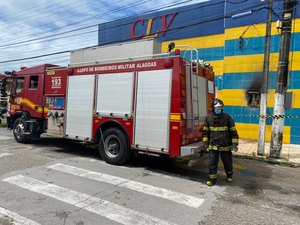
pixel 256 83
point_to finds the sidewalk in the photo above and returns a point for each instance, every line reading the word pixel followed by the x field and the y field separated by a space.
pixel 290 153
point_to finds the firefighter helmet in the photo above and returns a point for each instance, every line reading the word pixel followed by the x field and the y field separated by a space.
pixel 217 106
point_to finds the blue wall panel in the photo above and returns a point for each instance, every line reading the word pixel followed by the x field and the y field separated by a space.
pixel 246 114
pixel 249 80
pixel 256 45
pixel 206 54
pixel 294 81
pixel 258 15
pixel 196 20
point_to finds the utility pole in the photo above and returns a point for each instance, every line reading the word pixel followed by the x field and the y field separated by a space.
pixel 282 75
pixel 264 88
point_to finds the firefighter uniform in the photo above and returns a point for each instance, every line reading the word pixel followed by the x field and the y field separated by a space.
pixel 220 137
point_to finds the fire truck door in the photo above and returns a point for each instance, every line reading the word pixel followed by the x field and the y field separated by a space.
pixel 152 110
pixel 79 110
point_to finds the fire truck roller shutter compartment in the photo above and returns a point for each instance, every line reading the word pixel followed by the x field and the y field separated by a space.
pixel 114 94
pixel 152 110
pixel 200 97
pixel 80 100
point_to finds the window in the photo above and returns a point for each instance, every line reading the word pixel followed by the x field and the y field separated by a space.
pixel 19 85
pixel 253 98
pixel 33 83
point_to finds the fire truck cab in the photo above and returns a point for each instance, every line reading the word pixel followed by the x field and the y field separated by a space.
pixel 150 105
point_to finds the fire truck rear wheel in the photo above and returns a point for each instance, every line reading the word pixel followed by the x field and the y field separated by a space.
pixel 113 146
pixel 19 130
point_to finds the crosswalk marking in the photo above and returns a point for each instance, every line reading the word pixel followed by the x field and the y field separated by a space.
pixel 133 185
pixel 99 206
pixel 4 138
pixel 9 217
pixel 5 154
pixel 158 174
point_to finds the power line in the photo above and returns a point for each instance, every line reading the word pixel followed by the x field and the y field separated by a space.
pixel 86 27
pixel 71 16
pixel 210 19
pixel 34 57
pixel 72 24
pixel 101 15
pixel 173 29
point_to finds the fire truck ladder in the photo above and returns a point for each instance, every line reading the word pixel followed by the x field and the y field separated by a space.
pixel 192 83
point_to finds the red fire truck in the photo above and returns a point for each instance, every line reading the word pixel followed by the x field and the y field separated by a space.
pixel 153 105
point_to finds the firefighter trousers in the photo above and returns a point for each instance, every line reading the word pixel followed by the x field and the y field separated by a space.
pixel 226 157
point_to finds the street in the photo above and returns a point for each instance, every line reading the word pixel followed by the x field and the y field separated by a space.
pixel 55 181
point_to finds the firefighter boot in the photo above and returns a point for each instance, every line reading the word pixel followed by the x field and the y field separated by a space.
pixel 229 178
pixel 211 182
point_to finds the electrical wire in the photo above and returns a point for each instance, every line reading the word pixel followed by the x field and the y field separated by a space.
pixel 101 15
pixel 90 18
pixel 55 53
pixel 176 28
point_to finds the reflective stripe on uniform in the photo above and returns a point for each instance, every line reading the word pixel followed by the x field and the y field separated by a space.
pixel 232 128
pixel 206 128
pixel 219 128
pixel 212 176
pixel 205 139
pixel 235 141
pixel 219 148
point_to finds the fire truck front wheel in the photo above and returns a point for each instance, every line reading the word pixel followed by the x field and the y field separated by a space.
pixel 113 146
pixel 19 131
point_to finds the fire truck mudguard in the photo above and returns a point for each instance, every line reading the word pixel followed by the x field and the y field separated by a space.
pixel 113 146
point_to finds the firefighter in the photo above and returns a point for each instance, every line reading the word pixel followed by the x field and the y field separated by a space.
pixel 220 137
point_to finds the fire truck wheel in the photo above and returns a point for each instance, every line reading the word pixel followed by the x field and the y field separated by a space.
pixel 114 147
pixel 19 130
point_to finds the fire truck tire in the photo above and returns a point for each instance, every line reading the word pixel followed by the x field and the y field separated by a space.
pixel 113 146
pixel 19 129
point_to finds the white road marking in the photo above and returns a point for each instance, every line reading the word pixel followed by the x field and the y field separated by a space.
pixel 127 168
pixel 133 185
pixel 3 138
pixel 13 218
pixel 99 206
pixel 5 154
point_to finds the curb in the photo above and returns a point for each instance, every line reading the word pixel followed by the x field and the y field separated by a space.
pixel 280 162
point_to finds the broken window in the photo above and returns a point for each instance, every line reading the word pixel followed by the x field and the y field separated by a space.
pixel 253 98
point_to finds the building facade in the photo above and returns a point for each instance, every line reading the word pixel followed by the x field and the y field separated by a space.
pixel 231 36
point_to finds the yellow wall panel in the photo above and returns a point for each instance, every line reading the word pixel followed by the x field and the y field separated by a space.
pixel 254 63
pixel 218 66
pixel 294 60
pixel 297 25
pixel 255 30
pixel 296 97
pixel 210 41
pixel 236 97
pixel 251 131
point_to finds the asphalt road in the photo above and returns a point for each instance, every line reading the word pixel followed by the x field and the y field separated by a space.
pixel 54 181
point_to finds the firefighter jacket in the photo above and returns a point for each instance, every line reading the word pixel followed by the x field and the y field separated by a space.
pixel 219 132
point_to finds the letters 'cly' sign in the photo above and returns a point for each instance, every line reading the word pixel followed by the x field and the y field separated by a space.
pixel 146 25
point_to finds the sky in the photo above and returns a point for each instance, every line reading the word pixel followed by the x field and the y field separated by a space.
pixel 29 29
